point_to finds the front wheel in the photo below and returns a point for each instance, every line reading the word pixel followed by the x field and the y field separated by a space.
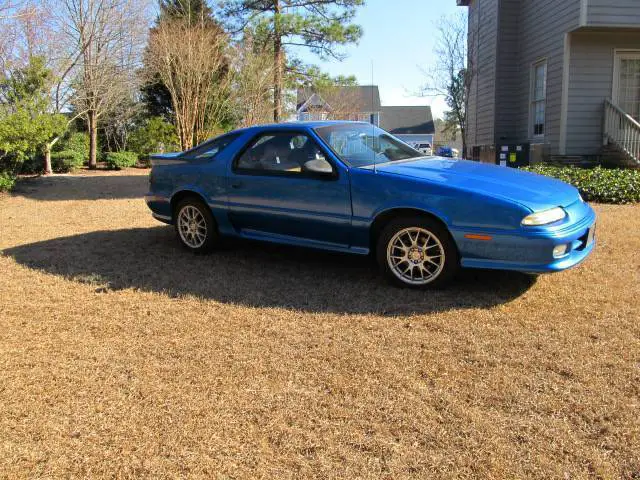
pixel 417 252
pixel 195 226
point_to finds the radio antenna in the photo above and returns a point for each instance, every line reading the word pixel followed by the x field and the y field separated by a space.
pixel 372 119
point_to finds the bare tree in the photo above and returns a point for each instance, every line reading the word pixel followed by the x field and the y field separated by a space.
pixel 338 98
pixel 343 102
pixel 15 9
pixel 451 75
pixel 190 57
pixel 11 14
pixel 105 39
pixel 120 123
pixel 252 85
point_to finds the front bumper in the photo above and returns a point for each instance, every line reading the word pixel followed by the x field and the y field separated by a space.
pixel 531 251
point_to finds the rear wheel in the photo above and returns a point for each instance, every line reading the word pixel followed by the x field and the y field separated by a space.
pixel 417 252
pixel 195 226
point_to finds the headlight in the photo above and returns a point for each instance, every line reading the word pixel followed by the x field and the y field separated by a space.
pixel 545 217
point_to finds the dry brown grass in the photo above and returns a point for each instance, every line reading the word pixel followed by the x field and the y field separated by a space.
pixel 123 356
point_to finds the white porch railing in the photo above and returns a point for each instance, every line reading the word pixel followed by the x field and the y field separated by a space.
pixel 621 129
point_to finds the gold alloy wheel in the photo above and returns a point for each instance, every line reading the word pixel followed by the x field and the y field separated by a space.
pixel 416 256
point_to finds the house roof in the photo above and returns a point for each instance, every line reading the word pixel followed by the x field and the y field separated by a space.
pixel 412 120
pixel 356 99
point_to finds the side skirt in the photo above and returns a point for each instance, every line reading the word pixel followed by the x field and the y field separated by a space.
pixel 300 242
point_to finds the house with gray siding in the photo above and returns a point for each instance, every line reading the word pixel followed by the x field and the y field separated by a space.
pixel 412 124
pixel 560 78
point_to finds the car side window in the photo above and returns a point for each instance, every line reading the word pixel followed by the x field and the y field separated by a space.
pixel 283 154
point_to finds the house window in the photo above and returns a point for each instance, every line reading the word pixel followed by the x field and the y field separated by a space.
pixel 626 82
pixel 538 98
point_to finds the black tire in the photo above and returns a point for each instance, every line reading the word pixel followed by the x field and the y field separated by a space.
pixel 441 276
pixel 211 235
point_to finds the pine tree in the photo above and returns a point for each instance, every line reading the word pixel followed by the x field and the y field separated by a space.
pixel 320 25
pixel 193 10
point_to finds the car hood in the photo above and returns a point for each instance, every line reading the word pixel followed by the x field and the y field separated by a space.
pixel 534 191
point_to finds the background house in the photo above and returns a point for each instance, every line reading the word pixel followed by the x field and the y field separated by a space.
pixel 413 124
pixel 561 75
pixel 357 103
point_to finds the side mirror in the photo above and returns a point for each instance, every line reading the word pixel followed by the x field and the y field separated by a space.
pixel 319 166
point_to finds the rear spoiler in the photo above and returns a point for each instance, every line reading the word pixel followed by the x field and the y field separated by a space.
pixel 164 158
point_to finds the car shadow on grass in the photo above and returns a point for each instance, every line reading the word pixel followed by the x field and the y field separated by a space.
pixel 254 274
pixel 100 186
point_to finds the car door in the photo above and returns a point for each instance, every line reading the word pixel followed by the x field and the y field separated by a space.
pixel 285 186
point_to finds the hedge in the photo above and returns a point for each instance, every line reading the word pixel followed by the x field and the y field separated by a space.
pixel 604 185
pixel 119 160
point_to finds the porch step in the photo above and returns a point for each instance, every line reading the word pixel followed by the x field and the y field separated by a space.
pixel 614 155
pixel 621 134
pixel 574 160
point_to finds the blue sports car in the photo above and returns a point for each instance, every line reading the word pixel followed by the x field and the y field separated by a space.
pixel 352 187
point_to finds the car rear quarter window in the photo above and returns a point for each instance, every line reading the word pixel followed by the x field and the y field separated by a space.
pixel 211 148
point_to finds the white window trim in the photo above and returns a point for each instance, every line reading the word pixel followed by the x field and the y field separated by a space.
pixel 618 56
pixel 532 85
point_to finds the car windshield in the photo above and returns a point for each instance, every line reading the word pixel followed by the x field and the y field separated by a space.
pixel 361 145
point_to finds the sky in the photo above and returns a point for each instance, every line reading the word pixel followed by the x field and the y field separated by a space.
pixel 398 38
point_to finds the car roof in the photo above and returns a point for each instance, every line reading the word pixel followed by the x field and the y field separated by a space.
pixel 298 125
pixel 267 127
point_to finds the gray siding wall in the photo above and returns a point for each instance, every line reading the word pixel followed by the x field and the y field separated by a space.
pixel 613 12
pixel 472 100
pixel 591 82
pixel 509 36
pixel 508 72
pixel 483 37
pixel 542 25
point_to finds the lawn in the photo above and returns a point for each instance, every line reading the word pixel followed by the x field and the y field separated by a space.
pixel 123 356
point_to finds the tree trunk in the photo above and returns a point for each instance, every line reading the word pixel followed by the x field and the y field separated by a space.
pixel 47 159
pixel 465 154
pixel 277 63
pixel 47 156
pixel 93 140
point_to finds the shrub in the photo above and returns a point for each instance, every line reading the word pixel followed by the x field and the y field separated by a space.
pixel 75 142
pixel 33 165
pixel 71 152
pixel 615 185
pixel 66 160
pixel 119 160
pixel 153 136
pixel 7 181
